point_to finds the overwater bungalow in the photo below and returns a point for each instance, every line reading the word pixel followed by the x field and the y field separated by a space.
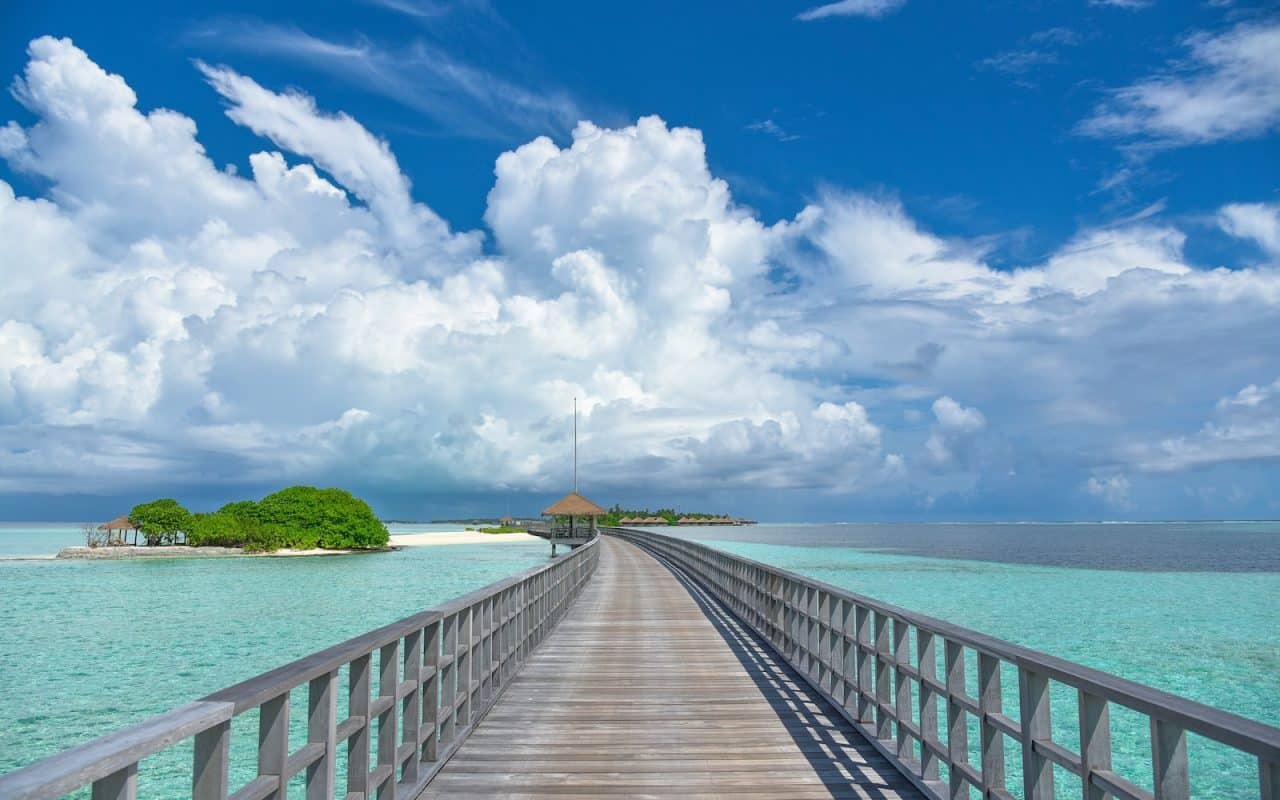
pixel 573 520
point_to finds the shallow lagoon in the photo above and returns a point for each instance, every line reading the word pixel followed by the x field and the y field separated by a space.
pixel 90 647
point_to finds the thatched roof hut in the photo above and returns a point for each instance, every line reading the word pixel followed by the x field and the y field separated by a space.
pixel 573 520
pixel 118 524
pixel 118 530
pixel 573 505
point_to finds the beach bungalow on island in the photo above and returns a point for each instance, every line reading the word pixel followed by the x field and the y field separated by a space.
pixel 573 521
pixel 121 526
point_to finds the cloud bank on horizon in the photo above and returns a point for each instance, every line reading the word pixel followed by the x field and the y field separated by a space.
pixel 167 321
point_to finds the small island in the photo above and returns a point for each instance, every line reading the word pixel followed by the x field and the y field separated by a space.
pixel 299 520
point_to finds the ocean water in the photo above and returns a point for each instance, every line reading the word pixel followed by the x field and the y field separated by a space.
pixel 1190 608
pixel 87 648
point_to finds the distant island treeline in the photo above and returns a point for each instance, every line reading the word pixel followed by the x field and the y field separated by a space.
pixel 296 518
pixel 614 517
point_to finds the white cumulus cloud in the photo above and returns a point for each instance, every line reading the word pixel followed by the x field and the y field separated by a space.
pixel 1229 87
pixel 166 320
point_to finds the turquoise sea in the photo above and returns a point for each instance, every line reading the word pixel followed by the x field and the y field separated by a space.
pixel 1168 618
pixel 1192 608
pixel 87 648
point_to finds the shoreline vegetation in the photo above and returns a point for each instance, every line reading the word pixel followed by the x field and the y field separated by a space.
pixel 619 516
pixel 296 519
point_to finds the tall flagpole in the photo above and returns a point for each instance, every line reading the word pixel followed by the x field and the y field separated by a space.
pixel 575 444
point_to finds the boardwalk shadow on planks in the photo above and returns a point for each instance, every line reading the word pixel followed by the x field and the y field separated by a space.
pixel 809 718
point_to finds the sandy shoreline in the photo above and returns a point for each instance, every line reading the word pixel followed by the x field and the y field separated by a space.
pixel 457 537
pixel 182 551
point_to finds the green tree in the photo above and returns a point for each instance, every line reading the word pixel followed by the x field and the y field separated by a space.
pixel 161 520
pixel 328 518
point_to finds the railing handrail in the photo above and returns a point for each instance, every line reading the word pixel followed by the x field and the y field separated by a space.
pixel 1248 735
pixel 252 691
pixel 115 755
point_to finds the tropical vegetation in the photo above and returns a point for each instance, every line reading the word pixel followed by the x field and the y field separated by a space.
pixel 618 513
pixel 299 518
pixel 501 529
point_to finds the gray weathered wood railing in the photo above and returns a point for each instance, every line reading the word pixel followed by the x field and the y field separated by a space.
pixel 858 653
pixel 437 672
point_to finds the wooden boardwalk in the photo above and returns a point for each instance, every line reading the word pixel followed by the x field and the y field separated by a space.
pixel 647 688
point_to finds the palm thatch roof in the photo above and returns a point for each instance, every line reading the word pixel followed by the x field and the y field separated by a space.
pixel 573 505
pixel 118 524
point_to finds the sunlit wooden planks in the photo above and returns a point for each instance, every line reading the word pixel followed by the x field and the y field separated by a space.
pixel 648 689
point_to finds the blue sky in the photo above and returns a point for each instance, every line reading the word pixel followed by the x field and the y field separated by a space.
pixel 873 259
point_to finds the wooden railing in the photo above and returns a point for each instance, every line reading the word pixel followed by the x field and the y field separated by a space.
pixel 417 686
pixel 858 653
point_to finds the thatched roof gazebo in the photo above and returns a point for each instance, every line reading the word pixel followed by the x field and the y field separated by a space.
pixel 122 525
pixel 573 520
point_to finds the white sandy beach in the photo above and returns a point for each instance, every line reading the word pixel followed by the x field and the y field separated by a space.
pixel 456 537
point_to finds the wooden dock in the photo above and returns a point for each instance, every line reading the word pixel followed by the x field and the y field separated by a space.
pixel 647 688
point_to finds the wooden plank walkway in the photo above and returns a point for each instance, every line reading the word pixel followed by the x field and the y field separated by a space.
pixel 647 688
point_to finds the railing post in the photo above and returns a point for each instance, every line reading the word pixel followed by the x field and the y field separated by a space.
pixel 322 720
pixel 902 687
pixel 431 695
pixel 957 727
pixel 866 709
pixel 1033 709
pixel 1095 742
pixel 388 682
pixel 273 743
pixel 927 665
pixel 210 763
pixel 119 785
pixel 411 705
pixel 884 691
pixel 1169 761
pixel 989 702
pixel 1268 779
pixel 848 658
pixel 448 681
pixel 358 679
